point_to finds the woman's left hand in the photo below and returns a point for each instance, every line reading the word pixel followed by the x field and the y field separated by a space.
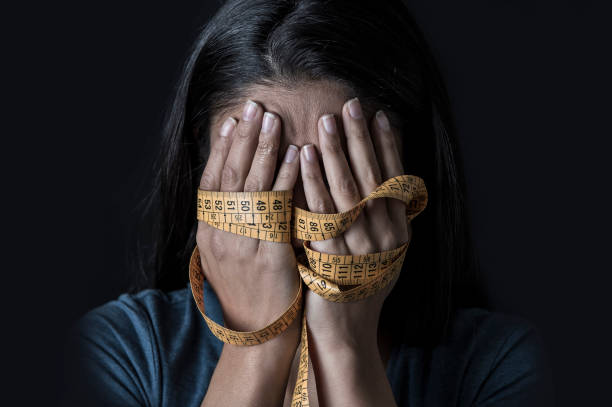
pixel 382 225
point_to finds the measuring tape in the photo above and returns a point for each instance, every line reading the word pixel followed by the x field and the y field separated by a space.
pixel 269 215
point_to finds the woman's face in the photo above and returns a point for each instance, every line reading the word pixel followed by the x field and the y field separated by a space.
pixel 299 109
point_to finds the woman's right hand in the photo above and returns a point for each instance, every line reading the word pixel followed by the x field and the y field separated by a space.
pixel 254 280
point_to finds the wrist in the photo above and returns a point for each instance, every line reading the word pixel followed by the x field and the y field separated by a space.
pixel 256 374
pixel 345 339
pixel 271 359
pixel 348 352
pixel 350 374
pixel 284 343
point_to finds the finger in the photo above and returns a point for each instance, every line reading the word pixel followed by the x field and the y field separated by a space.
pixel 318 198
pixel 364 165
pixel 386 146
pixel 286 178
pixel 361 150
pixel 343 188
pixel 388 154
pixel 263 166
pixel 211 180
pixel 261 174
pixel 220 146
pixel 244 143
pixel 288 172
pixel 238 164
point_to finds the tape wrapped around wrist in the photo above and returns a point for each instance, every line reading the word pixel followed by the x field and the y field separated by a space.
pixel 269 215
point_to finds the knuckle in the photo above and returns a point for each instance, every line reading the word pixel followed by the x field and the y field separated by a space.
pixel 208 180
pixel 267 147
pixel 346 186
pixel 360 133
pixel 310 176
pixel 244 131
pixel 217 245
pixel 217 149
pixel 283 175
pixel 211 240
pixel 371 176
pixel 332 148
pixel 230 175
pixel 253 183
pixel 321 205
pixel 369 247
pixel 388 241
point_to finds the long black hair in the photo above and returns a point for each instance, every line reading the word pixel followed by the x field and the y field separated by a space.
pixel 377 50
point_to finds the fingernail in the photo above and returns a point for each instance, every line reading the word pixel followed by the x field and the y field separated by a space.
pixel 268 122
pixel 329 123
pixel 383 122
pixel 249 111
pixel 355 109
pixel 309 152
pixel 228 127
pixel 291 153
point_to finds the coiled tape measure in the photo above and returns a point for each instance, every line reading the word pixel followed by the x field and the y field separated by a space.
pixel 269 215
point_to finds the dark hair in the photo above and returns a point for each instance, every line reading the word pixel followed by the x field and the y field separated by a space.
pixel 377 50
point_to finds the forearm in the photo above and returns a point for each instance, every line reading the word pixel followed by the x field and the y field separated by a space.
pixel 350 375
pixel 254 375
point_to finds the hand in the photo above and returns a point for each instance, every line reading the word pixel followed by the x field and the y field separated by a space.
pixel 382 225
pixel 243 270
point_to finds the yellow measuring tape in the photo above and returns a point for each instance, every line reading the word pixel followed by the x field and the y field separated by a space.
pixel 269 215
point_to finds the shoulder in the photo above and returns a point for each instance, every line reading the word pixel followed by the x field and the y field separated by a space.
pixel 480 326
pixel 133 324
pixel 497 337
pixel 135 315
pixel 125 350
pixel 505 358
pixel 113 350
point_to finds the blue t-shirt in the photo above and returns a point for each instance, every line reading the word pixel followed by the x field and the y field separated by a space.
pixel 154 349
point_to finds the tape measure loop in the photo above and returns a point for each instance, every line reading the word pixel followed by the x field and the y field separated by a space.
pixel 230 336
pixel 269 215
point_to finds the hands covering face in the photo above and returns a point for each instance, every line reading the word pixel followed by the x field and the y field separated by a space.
pixel 244 158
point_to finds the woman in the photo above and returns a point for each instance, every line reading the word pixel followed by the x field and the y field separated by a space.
pixel 328 99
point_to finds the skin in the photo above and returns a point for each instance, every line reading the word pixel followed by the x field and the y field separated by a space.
pixel 330 172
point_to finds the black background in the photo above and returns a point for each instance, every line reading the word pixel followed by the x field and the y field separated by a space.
pixel 529 82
